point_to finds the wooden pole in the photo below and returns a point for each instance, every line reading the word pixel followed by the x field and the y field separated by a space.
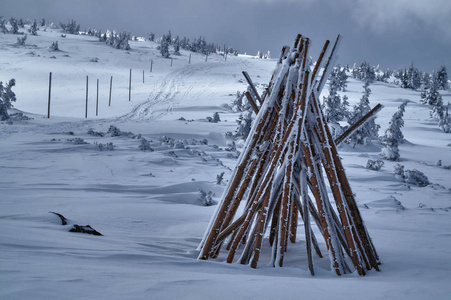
pixel 251 84
pixel 86 108
pixel 130 86
pixel 50 90
pixel 171 62
pixel 111 86
pixel 97 99
pixel 143 76
pixel 151 65
pixel 189 61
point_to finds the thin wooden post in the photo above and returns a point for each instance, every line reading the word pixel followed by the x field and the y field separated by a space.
pixel 50 90
pixel 130 86
pixel 189 61
pixel 86 108
pixel 97 99
pixel 206 57
pixel 251 84
pixel 143 76
pixel 151 65
pixel 171 62
pixel 111 85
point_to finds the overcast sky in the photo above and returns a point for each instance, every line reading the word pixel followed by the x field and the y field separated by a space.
pixel 392 33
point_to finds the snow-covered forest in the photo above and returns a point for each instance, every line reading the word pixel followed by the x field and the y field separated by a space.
pixel 138 138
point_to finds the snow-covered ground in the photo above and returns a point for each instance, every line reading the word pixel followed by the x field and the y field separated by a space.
pixel 145 203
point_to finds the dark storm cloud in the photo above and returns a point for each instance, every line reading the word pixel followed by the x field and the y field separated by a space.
pixel 392 33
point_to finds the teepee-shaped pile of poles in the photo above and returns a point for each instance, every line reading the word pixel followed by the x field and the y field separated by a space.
pixel 279 176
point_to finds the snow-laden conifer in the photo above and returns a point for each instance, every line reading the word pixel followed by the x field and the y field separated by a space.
pixel 7 96
pixel 393 135
pixel 367 131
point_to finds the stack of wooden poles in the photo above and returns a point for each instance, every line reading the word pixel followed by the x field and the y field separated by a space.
pixel 288 163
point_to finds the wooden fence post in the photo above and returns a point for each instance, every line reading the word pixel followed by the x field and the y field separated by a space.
pixel 97 99
pixel 50 90
pixel 86 108
pixel 189 61
pixel 130 86
pixel 151 65
pixel 111 85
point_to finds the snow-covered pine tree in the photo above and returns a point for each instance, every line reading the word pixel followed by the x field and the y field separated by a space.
pixel 393 135
pixel 334 109
pixel 14 26
pixel 164 47
pixel 413 78
pixel 431 95
pixel 445 121
pixel 176 45
pixel 72 27
pixel 370 129
pixel 3 25
pixel 152 37
pixel 21 23
pixel 43 22
pixel 442 78
pixel 7 96
pixel 365 73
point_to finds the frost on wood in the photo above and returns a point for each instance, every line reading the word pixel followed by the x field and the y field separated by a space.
pixel 288 164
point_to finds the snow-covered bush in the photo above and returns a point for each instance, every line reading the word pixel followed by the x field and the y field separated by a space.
pixel 414 176
pixel 7 96
pixel 215 118
pixel 206 198
pixel 114 131
pixel 21 40
pixel 374 165
pixel 145 145
pixel 54 46
pixel 95 133
pixel 219 178
pixel 107 146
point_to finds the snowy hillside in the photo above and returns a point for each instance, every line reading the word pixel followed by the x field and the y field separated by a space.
pixel 134 173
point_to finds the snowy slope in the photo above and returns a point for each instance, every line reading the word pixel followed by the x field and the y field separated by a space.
pixel 146 203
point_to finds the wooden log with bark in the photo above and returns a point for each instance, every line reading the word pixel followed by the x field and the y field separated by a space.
pixel 289 159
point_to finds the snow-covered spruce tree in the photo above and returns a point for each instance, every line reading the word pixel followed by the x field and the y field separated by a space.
pixel 33 28
pixel 3 25
pixel 43 22
pixel 445 122
pixel 431 95
pixel 413 78
pixel 339 77
pixel 393 135
pixel 14 26
pixel 21 23
pixel 365 73
pixel 164 46
pixel 176 45
pixel 334 109
pixel 7 96
pixel 152 37
pixel 72 27
pixel 442 78
pixel 367 131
